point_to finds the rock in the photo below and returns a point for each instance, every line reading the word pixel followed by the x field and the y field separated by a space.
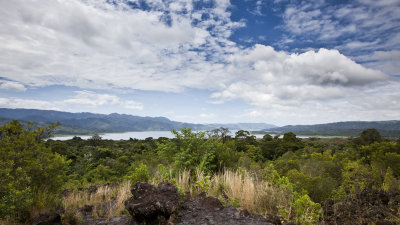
pixel 209 210
pixel 51 218
pixel 289 223
pixel 276 220
pixel 152 205
pixel 122 220
pixel 211 203
pixel 366 207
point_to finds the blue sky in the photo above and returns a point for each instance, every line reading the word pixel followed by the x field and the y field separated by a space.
pixel 215 61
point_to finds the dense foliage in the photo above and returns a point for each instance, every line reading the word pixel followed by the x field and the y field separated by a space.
pixel 31 175
pixel 304 172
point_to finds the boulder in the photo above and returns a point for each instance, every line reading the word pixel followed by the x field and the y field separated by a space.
pixel 368 206
pixel 51 218
pixel 209 210
pixel 152 205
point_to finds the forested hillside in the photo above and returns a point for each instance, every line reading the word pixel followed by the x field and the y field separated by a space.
pixel 90 123
pixel 389 128
pixel 306 181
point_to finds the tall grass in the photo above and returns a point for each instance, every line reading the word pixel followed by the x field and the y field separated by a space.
pixel 108 201
pixel 183 180
pixel 238 188
pixel 235 187
pixel 242 189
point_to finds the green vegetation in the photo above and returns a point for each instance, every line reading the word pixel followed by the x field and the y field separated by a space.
pixel 288 176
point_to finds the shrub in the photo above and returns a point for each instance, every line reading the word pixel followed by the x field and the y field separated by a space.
pixel 139 174
pixel 31 174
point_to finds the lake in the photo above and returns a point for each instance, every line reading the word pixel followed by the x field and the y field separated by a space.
pixel 141 135
pixel 134 134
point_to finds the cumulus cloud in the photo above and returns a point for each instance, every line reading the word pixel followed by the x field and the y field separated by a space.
pixel 386 61
pixel 318 84
pixel 175 45
pixel 11 85
pixel 83 99
pixel 263 75
pixel 89 98
pixel 26 103
pixel 95 44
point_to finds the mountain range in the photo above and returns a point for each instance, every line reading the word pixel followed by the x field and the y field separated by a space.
pixel 389 128
pixel 87 123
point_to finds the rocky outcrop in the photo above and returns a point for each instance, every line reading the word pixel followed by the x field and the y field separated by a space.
pixel 366 207
pixel 51 218
pixel 162 204
pixel 209 210
pixel 153 205
pixel 86 215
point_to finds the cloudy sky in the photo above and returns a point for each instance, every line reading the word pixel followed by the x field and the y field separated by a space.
pixel 275 61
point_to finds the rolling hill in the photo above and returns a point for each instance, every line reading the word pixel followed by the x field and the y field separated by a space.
pixel 390 128
pixel 86 123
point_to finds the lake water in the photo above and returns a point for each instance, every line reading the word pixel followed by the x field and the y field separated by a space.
pixel 136 134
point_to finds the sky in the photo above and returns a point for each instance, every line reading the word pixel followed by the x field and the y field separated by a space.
pixel 213 61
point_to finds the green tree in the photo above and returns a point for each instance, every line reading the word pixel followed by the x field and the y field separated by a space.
pixel 390 183
pixel 138 173
pixel 221 133
pixel 95 140
pixel 190 150
pixel 267 137
pixel 368 137
pixel 290 142
pixel 32 175
pixel 357 177
pixel 243 139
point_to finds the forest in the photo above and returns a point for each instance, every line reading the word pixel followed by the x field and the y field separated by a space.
pixel 354 180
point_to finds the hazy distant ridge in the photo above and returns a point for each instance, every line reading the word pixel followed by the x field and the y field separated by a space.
pixel 83 123
pixel 390 128
pixel 350 125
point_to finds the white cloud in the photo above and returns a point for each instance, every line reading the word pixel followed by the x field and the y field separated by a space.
pixel 83 99
pixel 386 61
pixel 375 103
pixel 207 115
pixel 94 44
pixel 89 98
pixel 26 103
pixel 361 23
pixel 293 85
pixel 11 85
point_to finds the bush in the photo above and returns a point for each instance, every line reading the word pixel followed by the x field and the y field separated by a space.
pixel 139 174
pixel 31 174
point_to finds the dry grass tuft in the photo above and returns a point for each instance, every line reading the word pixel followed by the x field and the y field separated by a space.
pixel 108 201
pixel 239 188
pixel 183 180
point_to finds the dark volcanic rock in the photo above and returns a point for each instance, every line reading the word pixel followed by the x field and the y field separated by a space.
pixel 366 207
pixel 152 205
pixel 276 220
pixel 156 205
pixel 209 210
pixel 86 214
pixel 122 220
pixel 159 205
pixel 51 218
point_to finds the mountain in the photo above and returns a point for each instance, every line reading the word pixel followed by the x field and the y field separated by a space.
pixel 243 126
pixel 390 128
pixel 86 123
